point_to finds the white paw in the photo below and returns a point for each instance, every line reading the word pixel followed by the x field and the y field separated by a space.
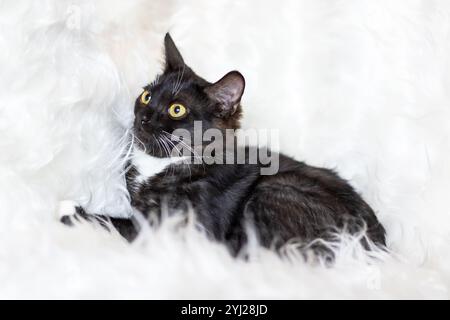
pixel 66 208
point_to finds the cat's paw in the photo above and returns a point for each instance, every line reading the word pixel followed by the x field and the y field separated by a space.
pixel 67 209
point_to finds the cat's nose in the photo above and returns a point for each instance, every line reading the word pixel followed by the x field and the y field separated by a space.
pixel 145 120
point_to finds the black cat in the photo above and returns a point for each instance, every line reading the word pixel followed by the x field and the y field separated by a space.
pixel 298 202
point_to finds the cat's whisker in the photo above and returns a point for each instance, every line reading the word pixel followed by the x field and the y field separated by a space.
pixel 178 140
pixel 181 81
pixel 177 87
pixel 186 146
pixel 176 83
pixel 156 81
pixel 167 149
pixel 161 147
pixel 140 141
pixel 179 154
pixel 184 161
pixel 129 154
pixel 157 143
pixel 173 145
pixel 135 137
pixel 164 145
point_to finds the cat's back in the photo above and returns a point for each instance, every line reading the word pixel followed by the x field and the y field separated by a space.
pixel 307 202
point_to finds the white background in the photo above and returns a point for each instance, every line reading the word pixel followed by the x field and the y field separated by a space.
pixel 360 86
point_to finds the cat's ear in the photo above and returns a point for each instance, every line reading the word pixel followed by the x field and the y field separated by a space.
pixel 227 93
pixel 174 60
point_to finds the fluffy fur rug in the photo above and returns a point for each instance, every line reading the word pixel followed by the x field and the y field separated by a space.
pixel 362 86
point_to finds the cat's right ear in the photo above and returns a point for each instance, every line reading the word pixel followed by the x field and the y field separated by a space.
pixel 174 60
pixel 227 93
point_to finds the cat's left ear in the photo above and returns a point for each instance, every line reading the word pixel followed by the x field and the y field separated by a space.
pixel 227 92
pixel 174 60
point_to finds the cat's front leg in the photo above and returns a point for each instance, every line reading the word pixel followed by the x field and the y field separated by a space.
pixel 70 212
pixel 67 211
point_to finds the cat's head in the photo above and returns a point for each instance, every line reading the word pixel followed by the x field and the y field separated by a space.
pixel 178 97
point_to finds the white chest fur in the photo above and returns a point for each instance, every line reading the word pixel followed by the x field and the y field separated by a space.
pixel 148 166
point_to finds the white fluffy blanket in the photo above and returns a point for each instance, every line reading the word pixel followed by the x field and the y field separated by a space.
pixel 362 86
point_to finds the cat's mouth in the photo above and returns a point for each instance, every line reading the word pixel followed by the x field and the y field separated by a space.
pixel 157 143
pixel 149 142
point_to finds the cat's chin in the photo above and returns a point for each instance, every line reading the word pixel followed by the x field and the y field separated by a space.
pixel 157 154
pixel 152 149
pixel 146 142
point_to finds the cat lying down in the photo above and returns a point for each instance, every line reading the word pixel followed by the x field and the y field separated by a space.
pixel 228 188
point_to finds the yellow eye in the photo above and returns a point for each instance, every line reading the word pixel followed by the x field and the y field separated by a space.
pixel 177 111
pixel 145 97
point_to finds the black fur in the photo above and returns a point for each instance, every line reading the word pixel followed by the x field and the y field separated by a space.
pixel 299 202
